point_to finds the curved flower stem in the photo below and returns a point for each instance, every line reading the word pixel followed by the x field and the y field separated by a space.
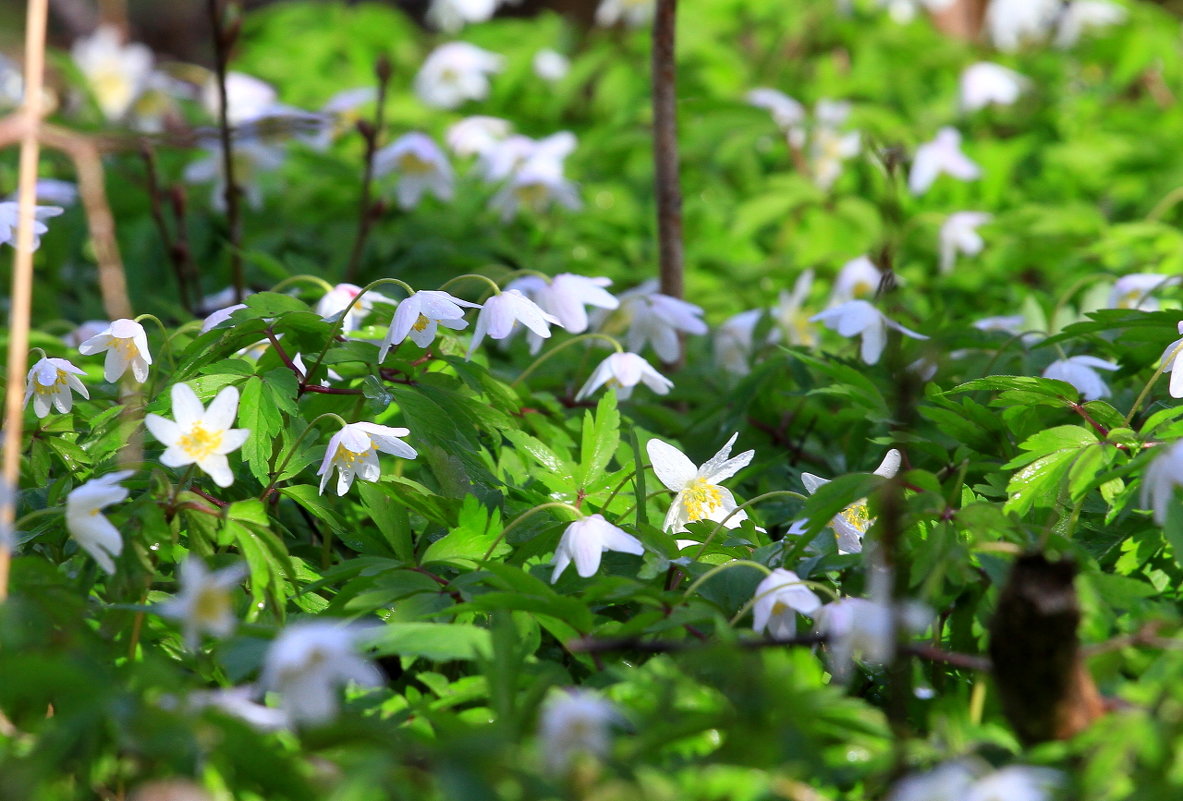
pixel 719 525
pixel 813 585
pixel 633 508
pixel 525 516
pixel 410 290
pixel 167 347
pixel 474 276
pixel 292 451
pixel 1168 359
pixel 620 486
pixel 717 569
pixel 303 279
pixel 562 346
pixel 44 355
pixel 1163 206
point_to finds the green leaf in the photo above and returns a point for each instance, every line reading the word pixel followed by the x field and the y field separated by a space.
pixel 1023 390
pixel 438 642
pixel 270 304
pixel 257 413
pixel 476 530
pixel 601 436
pixel 1049 460
pixel 390 517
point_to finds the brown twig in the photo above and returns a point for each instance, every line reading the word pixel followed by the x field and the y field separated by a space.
pixel 222 38
pixel 665 151
pixel 368 211
pixel 176 255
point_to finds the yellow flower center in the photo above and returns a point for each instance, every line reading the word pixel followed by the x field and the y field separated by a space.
pixel 126 346
pixel 199 444
pixel 532 195
pixel 858 516
pixel 421 323
pixel 212 605
pixel 411 164
pixel 58 384
pixel 862 289
pixel 701 498
pixel 1130 300
pixel 347 458
pixel 779 608
pixel 111 88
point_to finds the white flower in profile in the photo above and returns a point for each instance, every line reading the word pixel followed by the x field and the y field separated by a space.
pixel 476 136
pixel 537 186
pixel 985 83
pixel 354 451
pixel 420 166
pixel 656 319
pixel 49 383
pixel 858 317
pixel 248 98
pixel 219 316
pixel 126 345
pixel 250 159
pixel 307 663
pixel 852 523
pixel 420 315
pixel 1012 324
pixel 205 602
pixel 503 311
pixel 1081 372
pixel 52 191
pixel 566 295
pixel 829 147
pixel 586 540
pixel 340 114
pixel 1135 291
pixel 237 702
pixel 116 73
pixel 959 234
pixel 858 279
pixel 10 216
pixel 856 628
pixel 734 341
pixel 778 599
pixel 450 16
pixel 941 155
pixel 1081 15
pixel 787 113
pixel 632 13
pixel 199 435
pixel 93 532
pixel 699 496
pixel 1014 23
pixel 1172 361
pixel 337 300
pixel 952 780
pixel 513 154
pixel 456 72
pixel 551 65
pixel 1015 783
pixel 1160 479
pixel 84 332
pixel 574 722
pixel 624 371
pixel 790 315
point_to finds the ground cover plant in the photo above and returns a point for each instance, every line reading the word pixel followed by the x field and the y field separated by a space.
pixel 359 448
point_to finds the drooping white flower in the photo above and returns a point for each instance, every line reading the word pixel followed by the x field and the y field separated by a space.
pixel 624 371
pixel 420 315
pixel 1016 783
pixel 858 317
pixel 1135 291
pixel 452 15
pixel 734 341
pixel 1013 23
pixel 941 155
pixel 1172 360
pixel 476 136
pixel 985 83
pixel 85 331
pixel 10 216
pixel 1160 479
pixel 198 435
pixel 307 663
pixel 779 597
pixel 247 98
pixel 829 147
pixel 852 523
pixel 116 73
pixel 250 158
pixel 551 65
pixel 586 540
pixel 93 532
pixel 786 112
pixel 205 602
pixel 536 186
pixel 1012 324
pixel 514 153
pixel 337 300
pixel 1081 15
pixel 574 722
pixel 699 496
pixel 566 295
pixel 49 383
pixel 505 309
pixel 959 234
pixel 632 13
pixel 219 316
pixel 238 703
pixel 126 345
pixel 340 114
pixel 656 319
pixel 1081 372
pixel 790 315
pixel 858 279
pixel 456 72
pixel 52 191
pixel 951 780
pixel 354 451
pixel 856 628
pixel 420 166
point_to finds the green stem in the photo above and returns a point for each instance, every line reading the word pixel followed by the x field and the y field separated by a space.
pixel 525 516
pixel 44 355
pixel 813 585
pixel 719 525
pixel 620 486
pixel 653 494
pixel 717 569
pixel 1164 205
pixel 303 279
pixel 472 276
pixel 1168 359
pixel 562 346
pixel 292 451
pixel 168 348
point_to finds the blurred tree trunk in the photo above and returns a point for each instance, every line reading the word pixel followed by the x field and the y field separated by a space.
pixel 963 19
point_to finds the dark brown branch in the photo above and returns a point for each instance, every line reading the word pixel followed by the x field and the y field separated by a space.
pixel 665 150
pixel 368 211
pixel 222 39
pixel 156 198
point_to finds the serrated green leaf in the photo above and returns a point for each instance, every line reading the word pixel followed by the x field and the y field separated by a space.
pixel 439 642
pixel 601 436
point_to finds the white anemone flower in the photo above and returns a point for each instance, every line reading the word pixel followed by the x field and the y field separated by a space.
pixel 116 73
pixel 734 341
pixel 199 435
pixel 852 523
pixel 536 187
pixel 126 345
pixel 503 311
pixel 477 135
pixel 985 84
pixel 1172 361
pixel 238 703
pixel 829 147
pixel 551 65
pixel 205 602
pixel 456 72
pixel 787 113
pixel 420 165
pixel 586 540
pixel 778 599
pixel 1081 372
pixel 1160 479
pixel 1135 291
pixel 85 331
pixel 959 234
pixel 1016 783
pixel 248 98
pixel 49 383
pixel 856 628
pixel 10 215
pixel 250 158
pixel 656 319
pixel 452 15
pixel 512 154
pixel 624 371
pixel 1014 23
pixel 951 780
pixel 858 317
pixel 1081 15
pixel 306 664
pixel 858 279
pixel 941 155
pixel 566 295
pixel 790 315
pixel 420 315
pixel 574 722
pixel 52 191
pixel 219 316
pixel 93 532
pixel 699 495
pixel 632 13
pixel 354 451
pixel 337 300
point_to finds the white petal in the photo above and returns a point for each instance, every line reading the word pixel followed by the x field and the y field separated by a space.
pixel 671 465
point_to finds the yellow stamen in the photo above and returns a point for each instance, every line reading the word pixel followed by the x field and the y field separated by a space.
pixel 199 443
pixel 532 195
pixel 411 164
pixel 58 384
pixel 701 498
pixel 858 516
pixel 862 289
pixel 212 605
pixel 421 323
